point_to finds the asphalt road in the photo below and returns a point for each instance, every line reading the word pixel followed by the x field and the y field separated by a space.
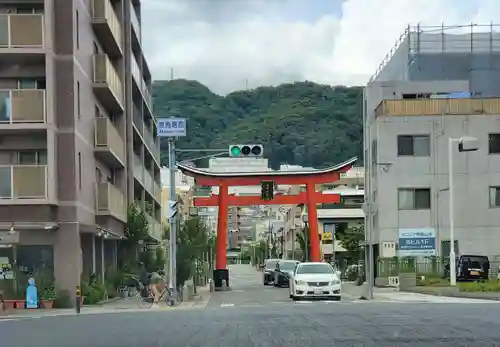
pixel 251 316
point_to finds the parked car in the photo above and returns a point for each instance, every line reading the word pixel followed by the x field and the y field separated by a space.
pixel 470 268
pixel 269 267
pixel 315 280
pixel 284 269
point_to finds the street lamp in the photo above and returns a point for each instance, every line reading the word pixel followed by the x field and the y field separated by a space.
pixel 465 144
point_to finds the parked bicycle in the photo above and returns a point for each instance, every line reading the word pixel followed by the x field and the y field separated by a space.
pixel 145 296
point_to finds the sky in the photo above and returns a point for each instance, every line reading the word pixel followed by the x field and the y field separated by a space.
pixel 234 44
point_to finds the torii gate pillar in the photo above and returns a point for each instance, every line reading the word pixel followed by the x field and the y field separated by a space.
pixel 312 214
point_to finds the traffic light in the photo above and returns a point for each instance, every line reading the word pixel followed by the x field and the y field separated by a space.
pixel 246 150
pixel 267 190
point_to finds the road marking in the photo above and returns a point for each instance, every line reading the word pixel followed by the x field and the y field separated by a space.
pixel 226 305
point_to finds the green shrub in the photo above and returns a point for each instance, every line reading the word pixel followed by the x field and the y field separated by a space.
pixel 487 286
pixel 433 282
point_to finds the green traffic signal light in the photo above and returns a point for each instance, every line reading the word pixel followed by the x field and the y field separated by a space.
pixel 235 150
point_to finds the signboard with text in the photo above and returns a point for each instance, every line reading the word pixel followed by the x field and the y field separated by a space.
pixel 171 127
pixel 417 242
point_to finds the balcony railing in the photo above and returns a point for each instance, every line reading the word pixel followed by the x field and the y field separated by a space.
pixel 135 22
pixel 111 201
pixel 137 119
pixel 23 182
pixel 150 142
pixel 157 192
pixel 147 95
pixel 104 13
pixel 136 71
pixel 21 31
pixel 22 106
pixel 107 137
pixel 105 74
pixel 437 107
pixel 149 182
pixel 138 168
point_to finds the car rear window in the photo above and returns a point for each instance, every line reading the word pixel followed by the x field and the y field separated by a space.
pixel 271 264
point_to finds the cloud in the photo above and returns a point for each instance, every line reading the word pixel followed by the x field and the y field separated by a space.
pixel 227 44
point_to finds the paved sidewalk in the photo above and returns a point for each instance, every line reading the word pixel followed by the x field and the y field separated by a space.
pixel 116 306
pixel 394 295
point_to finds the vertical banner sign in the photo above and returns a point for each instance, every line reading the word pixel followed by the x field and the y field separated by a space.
pixel 171 127
pixel 417 242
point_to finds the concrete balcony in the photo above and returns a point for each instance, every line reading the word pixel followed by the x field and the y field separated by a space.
pixel 23 184
pixel 21 34
pixel 109 146
pixel 107 85
pixel 22 106
pixel 107 27
pixel 438 107
pixel 110 201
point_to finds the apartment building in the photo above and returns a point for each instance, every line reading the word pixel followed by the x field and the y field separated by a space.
pixel 436 84
pixel 77 132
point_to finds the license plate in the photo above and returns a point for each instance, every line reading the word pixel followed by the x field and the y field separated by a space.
pixel 474 273
pixel 318 291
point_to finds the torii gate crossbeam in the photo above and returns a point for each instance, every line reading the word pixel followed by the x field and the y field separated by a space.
pixel 309 178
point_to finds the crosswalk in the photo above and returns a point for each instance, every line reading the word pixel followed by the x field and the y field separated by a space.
pixel 346 302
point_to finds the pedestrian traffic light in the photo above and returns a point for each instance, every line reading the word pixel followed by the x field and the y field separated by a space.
pixel 267 190
pixel 246 150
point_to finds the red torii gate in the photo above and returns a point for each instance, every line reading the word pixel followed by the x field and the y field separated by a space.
pixel 224 200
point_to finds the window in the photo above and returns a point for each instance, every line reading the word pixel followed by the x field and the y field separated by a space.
pixel 414 198
pixel 414 145
pixel 78 107
pixel 494 196
pixel 41 84
pixel 494 143
pixel 77 24
pixel 27 83
pixel 32 157
pixel 80 170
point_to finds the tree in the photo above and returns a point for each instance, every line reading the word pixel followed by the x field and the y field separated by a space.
pixel 136 230
pixel 352 240
pixel 192 242
pixel 137 225
pixel 301 240
pixel 298 123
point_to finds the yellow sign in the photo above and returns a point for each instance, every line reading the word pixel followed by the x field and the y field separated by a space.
pixel 327 236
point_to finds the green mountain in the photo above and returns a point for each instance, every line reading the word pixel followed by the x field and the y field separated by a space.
pixel 301 123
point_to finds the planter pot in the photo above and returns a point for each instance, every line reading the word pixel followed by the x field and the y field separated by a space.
pixel 47 303
pixel 9 304
pixel 20 304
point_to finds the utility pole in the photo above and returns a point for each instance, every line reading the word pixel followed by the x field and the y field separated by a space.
pixel 172 128
pixel 173 219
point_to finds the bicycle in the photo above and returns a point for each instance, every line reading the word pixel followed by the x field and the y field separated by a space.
pixel 145 296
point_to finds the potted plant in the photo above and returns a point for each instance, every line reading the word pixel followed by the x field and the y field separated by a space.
pixel 47 297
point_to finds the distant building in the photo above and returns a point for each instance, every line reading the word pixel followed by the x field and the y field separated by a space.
pixel 438 83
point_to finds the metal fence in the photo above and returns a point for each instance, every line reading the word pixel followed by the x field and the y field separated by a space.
pixel 428 267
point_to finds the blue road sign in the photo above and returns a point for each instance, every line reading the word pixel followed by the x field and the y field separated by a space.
pixel 417 242
pixel 171 127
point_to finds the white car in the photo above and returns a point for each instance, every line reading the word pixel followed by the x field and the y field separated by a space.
pixel 315 280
